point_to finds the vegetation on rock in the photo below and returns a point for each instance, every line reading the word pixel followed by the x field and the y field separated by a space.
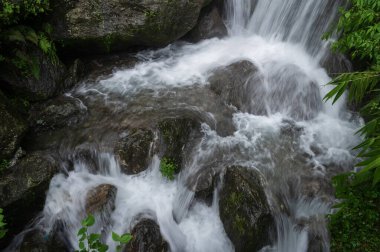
pixel 356 224
pixel 168 168
pixel 3 231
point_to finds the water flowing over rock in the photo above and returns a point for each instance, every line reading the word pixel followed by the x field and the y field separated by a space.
pixel 244 209
pixel 12 128
pixel 146 238
pixel 96 26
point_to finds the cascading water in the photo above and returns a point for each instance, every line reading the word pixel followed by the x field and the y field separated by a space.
pixel 282 39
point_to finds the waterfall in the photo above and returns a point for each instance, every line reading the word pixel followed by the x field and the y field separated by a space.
pixel 282 129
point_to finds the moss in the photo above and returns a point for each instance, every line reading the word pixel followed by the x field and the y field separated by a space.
pixel 4 164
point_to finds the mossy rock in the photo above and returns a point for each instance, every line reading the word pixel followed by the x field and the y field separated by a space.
pixel 244 209
pixel 12 128
pixel 23 190
pixel 175 134
pixel 133 150
pixel 92 26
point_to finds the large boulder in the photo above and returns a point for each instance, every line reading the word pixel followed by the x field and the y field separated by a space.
pixel 101 26
pixel 134 150
pixel 147 238
pixel 57 113
pixel 244 209
pixel 12 129
pixel 210 25
pixel 232 83
pixel 23 190
pixel 50 81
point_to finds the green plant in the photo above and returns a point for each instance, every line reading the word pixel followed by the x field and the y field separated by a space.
pixel 4 164
pixel 167 168
pixel 356 224
pixel 91 242
pixel 3 231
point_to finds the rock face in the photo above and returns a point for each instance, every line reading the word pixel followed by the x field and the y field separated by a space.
pixel 37 241
pixel 23 188
pixel 175 134
pixel 231 83
pixel 55 114
pixel 210 25
pixel 101 198
pixel 244 210
pixel 133 150
pixel 12 128
pixel 101 26
pixel 288 90
pixel 51 79
pixel 147 238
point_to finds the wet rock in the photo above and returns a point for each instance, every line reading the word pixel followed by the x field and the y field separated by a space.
pixel 175 134
pixel 101 198
pixel 335 64
pixel 147 238
pixel 37 241
pixel 203 183
pixel 103 26
pixel 23 190
pixel 51 80
pixel 12 129
pixel 54 114
pixel 134 150
pixel 230 83
pixel 244 209
pixel 210 25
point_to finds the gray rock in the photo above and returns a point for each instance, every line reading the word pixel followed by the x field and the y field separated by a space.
pixel 12 129
pixel 210 25
pixel 147 238
pixel 57 113
pixel 244 209
pixel 103 26
pixel 37 241
pixel 23 190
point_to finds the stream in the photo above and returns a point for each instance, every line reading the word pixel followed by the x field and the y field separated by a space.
pixel 276 124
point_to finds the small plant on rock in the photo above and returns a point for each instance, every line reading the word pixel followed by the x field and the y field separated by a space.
pixel 3 231
pixel 167 168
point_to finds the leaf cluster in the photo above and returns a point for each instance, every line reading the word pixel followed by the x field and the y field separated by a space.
pixel 3 231
pixel 92 242
pixel 167 168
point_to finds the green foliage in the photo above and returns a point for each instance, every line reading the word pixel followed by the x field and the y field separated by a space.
pixel 18 36
pixel 4 164
pixel 167 168
pixel 3 231
pixel 92 243
pixel 356 224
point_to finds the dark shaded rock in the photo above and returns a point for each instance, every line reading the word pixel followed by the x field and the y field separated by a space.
pixel 133 150
pixel 244 209
pixel 51 79
pixel 23 190
pixel 203 183
pixel 54 114
pixel 101 198
pixel 37 241
pixel 103 26
pixel 210 25
pixel 147 238
pixel 175 134
pixel 12 128
pixel 230 83
pixel 335 64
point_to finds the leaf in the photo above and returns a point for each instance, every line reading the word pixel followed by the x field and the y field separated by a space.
pixel 82 231
pixel 116 237
pixel 93 237
pixel 126 238
pixel 32 37
pixel 89 221
pixel 16 35
pixel 81 245
pixel 376 176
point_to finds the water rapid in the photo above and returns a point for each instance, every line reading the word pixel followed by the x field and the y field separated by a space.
pixel 282 129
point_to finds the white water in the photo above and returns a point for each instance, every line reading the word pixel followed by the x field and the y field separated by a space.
pixel 281 37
